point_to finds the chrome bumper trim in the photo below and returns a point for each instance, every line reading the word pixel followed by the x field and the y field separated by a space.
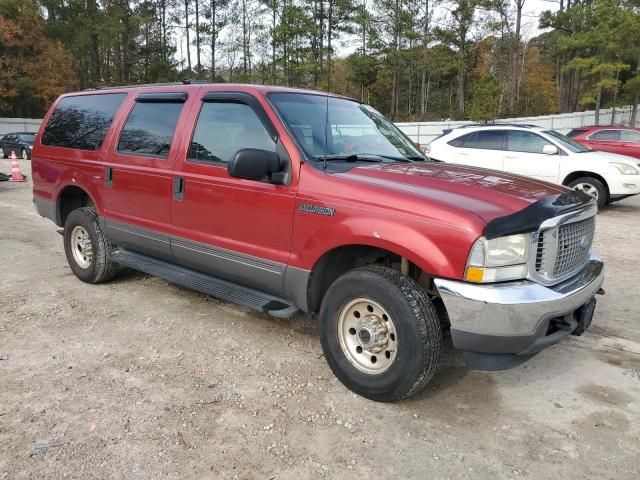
pixel 516 308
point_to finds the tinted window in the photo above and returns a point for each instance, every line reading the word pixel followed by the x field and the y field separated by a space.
pixel 149 129
pixel 224 128
pixel 489 139
pixel 519 141
pixel 465 141
pixel 605 135
pixel 82 121
pixel 629 136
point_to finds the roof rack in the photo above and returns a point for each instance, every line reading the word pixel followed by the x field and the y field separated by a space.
pixel 499 124
pixel 166 84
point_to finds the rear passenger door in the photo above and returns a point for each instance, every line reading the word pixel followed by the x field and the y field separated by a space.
pixel 139 174
pixel 231 228
pixel 630 142
pixel 524 156
pixel 482 148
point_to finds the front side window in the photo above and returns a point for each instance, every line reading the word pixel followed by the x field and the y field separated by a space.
pixel 149 129
pixel 489 139
pixel 82 121
pixel 342 129
pixel 630 136
pixel 605 135
pixel 223 128
pixel 527 142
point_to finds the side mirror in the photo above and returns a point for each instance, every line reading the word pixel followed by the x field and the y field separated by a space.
pixel 255 164
pixel 550 150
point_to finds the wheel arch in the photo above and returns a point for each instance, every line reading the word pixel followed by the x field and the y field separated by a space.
pixel 584 173
pixel 70 198
pixel 340 259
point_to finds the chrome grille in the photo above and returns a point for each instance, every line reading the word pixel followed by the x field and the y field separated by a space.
pixel 574 245
pixel 560 250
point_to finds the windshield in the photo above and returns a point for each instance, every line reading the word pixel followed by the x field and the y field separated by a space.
pixel 567 142
pixel 355 132
pixel 29 137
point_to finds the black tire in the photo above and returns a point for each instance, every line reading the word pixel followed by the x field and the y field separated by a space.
pixel 101 267
pixel 24 154
pixel 603 194
pixel 416 323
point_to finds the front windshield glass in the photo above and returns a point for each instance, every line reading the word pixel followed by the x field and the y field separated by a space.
pixel 567 142
pixel 355 130
pixel 28 137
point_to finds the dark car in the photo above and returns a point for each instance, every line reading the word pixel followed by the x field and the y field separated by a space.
pixel 19 142
pixel 611 138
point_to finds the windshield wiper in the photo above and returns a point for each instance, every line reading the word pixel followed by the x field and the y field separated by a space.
pixel 352 158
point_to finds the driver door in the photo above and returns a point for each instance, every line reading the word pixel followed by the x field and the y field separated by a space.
pixel 524 156
pixel 231 228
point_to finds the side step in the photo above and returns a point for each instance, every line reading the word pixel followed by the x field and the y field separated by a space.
pixel 201 282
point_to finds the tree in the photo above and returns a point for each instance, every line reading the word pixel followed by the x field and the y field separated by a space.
pixel 485 99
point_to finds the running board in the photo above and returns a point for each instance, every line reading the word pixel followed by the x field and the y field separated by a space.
pixel 248 297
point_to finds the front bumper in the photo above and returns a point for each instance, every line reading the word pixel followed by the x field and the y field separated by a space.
pixel 626 185
pixel 501 325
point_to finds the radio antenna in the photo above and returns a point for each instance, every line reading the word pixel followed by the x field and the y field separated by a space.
pixel 326 134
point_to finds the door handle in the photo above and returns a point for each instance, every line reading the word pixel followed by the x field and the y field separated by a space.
pixel 178 188
pixel 108 177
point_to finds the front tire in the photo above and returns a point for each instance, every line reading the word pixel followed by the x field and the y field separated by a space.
pixel 24 154
pixel 380 333
pixel 591 186
pixel 87 247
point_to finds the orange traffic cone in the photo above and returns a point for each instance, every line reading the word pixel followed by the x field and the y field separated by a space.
pixel 16 175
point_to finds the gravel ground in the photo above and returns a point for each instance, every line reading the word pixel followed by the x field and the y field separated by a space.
pixel 142 379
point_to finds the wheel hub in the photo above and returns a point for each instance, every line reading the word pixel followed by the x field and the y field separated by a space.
pixel 367 335
pixel 81 247
pixel 372 334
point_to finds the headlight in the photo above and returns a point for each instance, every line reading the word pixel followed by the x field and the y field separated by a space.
pixel 624 169
pixel 499 259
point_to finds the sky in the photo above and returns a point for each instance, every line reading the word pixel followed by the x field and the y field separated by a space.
pixel 531 13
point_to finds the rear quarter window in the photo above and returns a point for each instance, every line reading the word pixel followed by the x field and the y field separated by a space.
pixel 82 121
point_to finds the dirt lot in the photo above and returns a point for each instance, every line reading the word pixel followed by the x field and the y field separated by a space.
pixel 142 379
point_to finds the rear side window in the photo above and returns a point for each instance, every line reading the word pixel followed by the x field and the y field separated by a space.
pixel 489 139
pixel 630 136
pixel 605 135
pixel 149 129
pixel 465 141
pixel 82 121
pixel 223 128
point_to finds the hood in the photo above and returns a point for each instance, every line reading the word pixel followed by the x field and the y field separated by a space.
pixel 487 193
pixel 609 157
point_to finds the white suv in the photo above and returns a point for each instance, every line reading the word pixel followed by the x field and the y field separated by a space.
pixel 539 153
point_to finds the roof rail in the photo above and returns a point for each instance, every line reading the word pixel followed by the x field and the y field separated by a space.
pixel 166 84
pixel 499 124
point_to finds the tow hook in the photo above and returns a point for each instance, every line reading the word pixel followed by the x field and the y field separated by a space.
pixel 600 291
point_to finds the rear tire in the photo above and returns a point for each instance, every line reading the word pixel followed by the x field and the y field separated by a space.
pixel 591 186
pixel 391 347
pixel 87 247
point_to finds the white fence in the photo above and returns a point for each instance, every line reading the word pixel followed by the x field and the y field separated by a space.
pixel 11 125
pixel 424 132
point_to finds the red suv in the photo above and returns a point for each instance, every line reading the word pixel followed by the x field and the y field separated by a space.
pixel 291 201
pixel 613 139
